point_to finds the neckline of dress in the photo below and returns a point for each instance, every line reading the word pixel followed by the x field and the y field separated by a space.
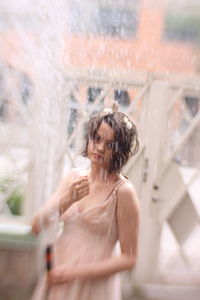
pixel 101 202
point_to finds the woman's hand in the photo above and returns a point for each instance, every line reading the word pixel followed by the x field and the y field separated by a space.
pixel 67 193
pixel 36 224
pixel 53 277
pixel 78 189
pixel 60 275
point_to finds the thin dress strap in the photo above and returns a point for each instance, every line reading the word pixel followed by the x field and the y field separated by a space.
pixel 117 184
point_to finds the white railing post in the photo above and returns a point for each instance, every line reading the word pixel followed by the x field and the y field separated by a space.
pixel 154 134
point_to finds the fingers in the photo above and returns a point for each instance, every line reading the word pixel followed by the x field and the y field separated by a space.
pixel 83 180
pixel 81 192
pixel 82 183
pixel 81 187
pixel 35 225
pixel 84 191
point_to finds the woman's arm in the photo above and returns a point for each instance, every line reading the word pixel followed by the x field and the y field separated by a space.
pixel 68 191
pixel 128 223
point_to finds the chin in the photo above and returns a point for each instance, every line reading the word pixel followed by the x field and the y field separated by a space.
pixel 97 161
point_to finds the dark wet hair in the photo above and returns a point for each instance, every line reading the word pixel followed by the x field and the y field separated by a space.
pixel 125 143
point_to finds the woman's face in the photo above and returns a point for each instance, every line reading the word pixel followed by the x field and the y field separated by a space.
pixel 100 148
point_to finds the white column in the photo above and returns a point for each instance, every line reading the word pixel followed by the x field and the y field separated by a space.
pixel 153 126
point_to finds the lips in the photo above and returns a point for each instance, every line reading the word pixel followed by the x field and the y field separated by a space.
pixel 97 156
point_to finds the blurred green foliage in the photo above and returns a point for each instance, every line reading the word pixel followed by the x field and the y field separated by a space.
pixel 15 202
pixel 15 198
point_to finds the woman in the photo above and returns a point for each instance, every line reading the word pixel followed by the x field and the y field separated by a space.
pixel 98 209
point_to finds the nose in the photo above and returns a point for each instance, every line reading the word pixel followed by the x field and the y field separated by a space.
pixel 101 147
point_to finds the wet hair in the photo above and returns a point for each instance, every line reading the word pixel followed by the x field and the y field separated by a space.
pixel 125 142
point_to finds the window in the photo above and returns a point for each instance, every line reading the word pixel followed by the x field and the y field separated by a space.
pixel 23 21
pixel 93 94
pixel 73 114
pixel 3 23
pixel 182 21
pixel 184 29
pixel 104 17
pixel 116 22
pixel 2 100
pixel 122 97
pixel 72 120
pixel 2 110
pixel 25 87
pixel 192 103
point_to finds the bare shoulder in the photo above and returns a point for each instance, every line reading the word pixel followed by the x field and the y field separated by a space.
pixel 127 196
